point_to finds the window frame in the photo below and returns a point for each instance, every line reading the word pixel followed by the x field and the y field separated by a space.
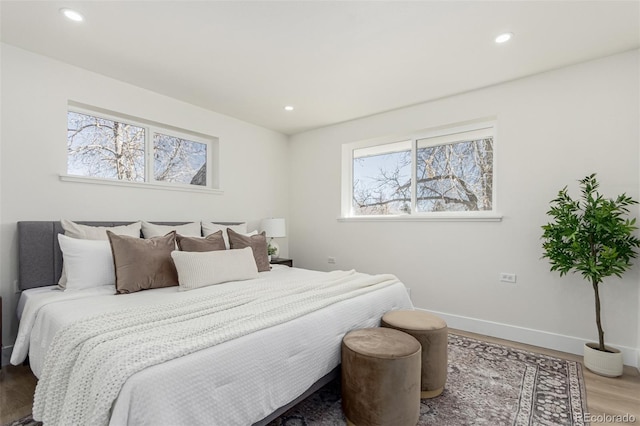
pixel 150 128
pixel 437 135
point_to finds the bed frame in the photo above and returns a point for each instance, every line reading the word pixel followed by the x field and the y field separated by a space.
pixel 40 264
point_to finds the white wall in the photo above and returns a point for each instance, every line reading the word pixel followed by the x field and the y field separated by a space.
pixel 553 129
pixel 35 92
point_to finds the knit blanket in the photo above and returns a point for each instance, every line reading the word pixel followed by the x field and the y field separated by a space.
pixel 89 361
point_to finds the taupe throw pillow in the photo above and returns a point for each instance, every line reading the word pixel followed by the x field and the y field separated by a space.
pixel 258 244
pixel 141 264
pixel 211 242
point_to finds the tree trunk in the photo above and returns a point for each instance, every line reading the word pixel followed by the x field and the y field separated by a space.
pixel 118 148
pixel 598 322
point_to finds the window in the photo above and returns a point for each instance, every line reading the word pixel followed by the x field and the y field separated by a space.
pixel 108 147
pixel 455 173
pixel 104 148
pixel 431 174
pixel 179 160
pixel 382 179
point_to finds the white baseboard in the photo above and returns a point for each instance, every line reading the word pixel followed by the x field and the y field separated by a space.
pixel 530 336
pixel 5 355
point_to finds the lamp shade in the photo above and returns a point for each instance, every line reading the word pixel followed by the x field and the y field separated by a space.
pixel 274 227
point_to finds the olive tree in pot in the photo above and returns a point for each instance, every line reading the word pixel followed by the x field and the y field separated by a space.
pixel 593 236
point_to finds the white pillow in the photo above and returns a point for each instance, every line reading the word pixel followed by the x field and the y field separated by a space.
pixel 201 269
pixel 87 232
pixel 88 263
pixel 150 230
pixel 209 228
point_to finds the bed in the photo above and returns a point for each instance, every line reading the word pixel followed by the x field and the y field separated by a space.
pixel 249 378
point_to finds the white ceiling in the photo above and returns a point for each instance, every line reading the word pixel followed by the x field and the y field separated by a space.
pixel 334 61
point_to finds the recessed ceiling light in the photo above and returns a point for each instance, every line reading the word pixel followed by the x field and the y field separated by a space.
pixel 503 38
pixel 288 108
pixel 72 14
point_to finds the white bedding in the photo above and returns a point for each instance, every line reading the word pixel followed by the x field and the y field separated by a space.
pixel 29 294
pixel 237 382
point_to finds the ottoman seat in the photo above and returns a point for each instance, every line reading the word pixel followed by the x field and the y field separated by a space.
pixel 432 333
pixel 380 378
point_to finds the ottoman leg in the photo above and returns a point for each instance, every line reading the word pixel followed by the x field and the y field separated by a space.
pixel 431 394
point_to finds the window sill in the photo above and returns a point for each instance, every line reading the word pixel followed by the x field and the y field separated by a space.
pixel 146 185
pixel 492 217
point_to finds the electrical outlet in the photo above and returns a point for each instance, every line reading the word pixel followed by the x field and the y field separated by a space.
pixel 331 260
pixel 507 277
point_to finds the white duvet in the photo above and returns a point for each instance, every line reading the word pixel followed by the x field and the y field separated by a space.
pixel 238 381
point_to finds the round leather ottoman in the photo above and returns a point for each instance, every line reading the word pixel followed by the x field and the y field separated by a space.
pixel 380 377
pixel 432 333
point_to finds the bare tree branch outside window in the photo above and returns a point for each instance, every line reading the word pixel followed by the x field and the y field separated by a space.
pixel 449 178
pixel 382 184
pixel 179 160
pixel 104 148
pixel 455 177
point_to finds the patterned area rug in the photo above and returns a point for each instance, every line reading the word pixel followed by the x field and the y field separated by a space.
pixel 487 384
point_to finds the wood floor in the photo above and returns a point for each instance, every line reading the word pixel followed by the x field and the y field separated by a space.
pixel 605 396
pixel 17 385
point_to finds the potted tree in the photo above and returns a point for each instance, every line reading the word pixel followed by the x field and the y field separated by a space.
pixel 593 236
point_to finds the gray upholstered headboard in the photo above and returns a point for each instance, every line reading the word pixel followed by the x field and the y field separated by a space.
pixel 39 255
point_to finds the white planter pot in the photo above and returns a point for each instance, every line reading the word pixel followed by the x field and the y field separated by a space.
pixel 607 364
